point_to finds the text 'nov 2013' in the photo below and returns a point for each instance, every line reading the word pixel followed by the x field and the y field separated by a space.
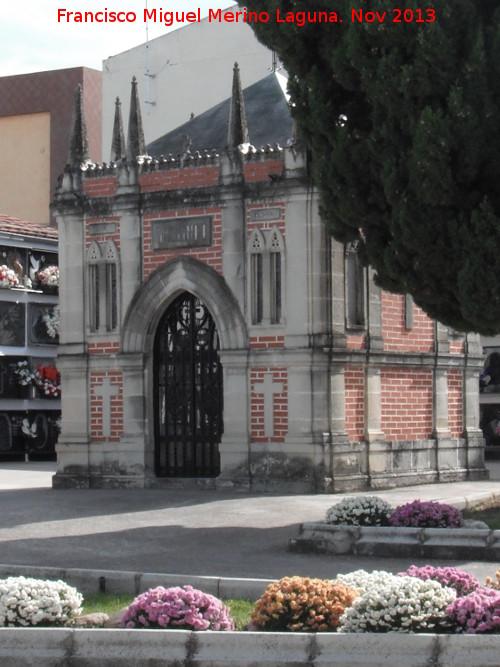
pixel 298 18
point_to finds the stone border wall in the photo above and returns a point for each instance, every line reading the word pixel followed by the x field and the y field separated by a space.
pixel 117 582
pixel 61 647
pixel 449 543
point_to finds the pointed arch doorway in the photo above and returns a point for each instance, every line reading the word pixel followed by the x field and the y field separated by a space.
pixel 188 392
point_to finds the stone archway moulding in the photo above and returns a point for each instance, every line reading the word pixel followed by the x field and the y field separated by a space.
pixel 179 275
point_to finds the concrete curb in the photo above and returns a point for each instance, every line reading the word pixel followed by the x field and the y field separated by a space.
pixel 448 543
pixel 132 583
pixel 64 647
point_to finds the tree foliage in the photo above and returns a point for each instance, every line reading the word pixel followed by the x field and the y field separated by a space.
pixel 403 124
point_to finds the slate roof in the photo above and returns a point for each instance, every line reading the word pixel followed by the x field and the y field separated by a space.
pixel 10 225
pixel 268 117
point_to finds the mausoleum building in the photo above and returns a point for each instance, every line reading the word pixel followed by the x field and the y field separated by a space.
pixel 225 340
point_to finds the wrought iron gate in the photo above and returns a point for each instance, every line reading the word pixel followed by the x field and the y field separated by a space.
pixel 187 391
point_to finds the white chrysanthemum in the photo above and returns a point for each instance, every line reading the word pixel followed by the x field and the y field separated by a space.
pixel 26 602
pixel 403 604
pixel 360 511
pixel 363 581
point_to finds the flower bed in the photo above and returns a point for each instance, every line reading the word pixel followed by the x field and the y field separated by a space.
pixel 374 511
pixel 365 525
pixel 421 599
pixel 473 643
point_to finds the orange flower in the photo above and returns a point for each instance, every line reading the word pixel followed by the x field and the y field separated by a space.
pixel 305 605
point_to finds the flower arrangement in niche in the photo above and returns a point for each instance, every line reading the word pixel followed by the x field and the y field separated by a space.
pixel 426 514
pixel 301 604
pixel 49 277
pixel 8 277
pixel 360 511
pixel 28 602
pixel 462 582
pixel 478 612
pixel 51 321
pixel 25 375
pixel 49 381
pixel 403 604
pixel 177 608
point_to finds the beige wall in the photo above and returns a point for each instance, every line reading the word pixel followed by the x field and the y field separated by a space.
pixel 25 166
pixel 190 71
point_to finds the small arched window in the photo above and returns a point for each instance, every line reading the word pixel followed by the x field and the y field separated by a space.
pixel 111 285
pixel 276 253
pixel 257 247
pixel 355 287
pixel 102 287
pixel 94 258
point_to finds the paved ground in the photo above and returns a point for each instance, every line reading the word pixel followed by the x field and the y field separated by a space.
pixel 185 532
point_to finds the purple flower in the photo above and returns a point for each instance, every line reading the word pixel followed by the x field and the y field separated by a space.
pixel 452 577
pixel 426 514
pixel 478 612
pixel 183 608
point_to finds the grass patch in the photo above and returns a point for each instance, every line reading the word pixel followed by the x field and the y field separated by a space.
pixel 487 511
pixel 108 603
pixel 105 602
pixel 241 611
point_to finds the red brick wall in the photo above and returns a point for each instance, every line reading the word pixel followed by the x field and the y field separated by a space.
pixel 354 379
pixel 455 402
pixel 211 255
pixel 174 179
pixel 104 347
pixel 407 403
pixel 457 347
pixel 280 405
pixel 260 170
pixel 356 342
pixel 103 238
pixel 266 225
pixel 104 186
pixel 266 342
pixel 96 406
pixel 397 338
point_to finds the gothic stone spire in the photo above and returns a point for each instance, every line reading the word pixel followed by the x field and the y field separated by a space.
pixel 118 148
pixel 238 128
pixel 135 141
pixel 78 153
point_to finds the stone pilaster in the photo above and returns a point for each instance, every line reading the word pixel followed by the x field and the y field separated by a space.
pixel 441 427
pixel 337 402
pixel 473 434
pixel 235 443
pixel 442 339
pixel 373 405
pixel 337 295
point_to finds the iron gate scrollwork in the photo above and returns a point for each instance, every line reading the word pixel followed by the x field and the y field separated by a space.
pixel 187 391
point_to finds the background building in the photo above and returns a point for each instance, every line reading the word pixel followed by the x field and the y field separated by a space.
pixel 35 123
pixel 182 73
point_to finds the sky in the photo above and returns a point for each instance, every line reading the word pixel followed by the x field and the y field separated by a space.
pixel 32 39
